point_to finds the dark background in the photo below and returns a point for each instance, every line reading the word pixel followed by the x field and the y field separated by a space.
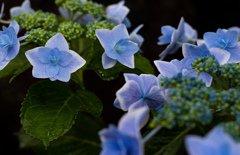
pixel 202 15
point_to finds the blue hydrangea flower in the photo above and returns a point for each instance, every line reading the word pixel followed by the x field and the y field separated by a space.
pixel 117 46
pixel 126 138
pixel 176 37
pixel 54 61
pixel 18 10
pixel 139 91
pixel 224 40
pixel 116 13
pixel 235 28
pixel 137 38
pixel 216 142
pixel 9 43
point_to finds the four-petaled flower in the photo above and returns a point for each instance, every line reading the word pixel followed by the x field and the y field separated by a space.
pixel 139 91
pixel 224 40
pixel 117 46
pixel 116 14
pixel 9 43
pixel 18 10
pixel 216 142
pixel 126 138
pixel 54 61
pixel 176 37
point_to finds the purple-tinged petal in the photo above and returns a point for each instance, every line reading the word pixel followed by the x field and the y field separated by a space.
pixel 44 54
pixel 128 94
pixel 85 19
pixel 13 51
pixel 210 39
pixel 65 58
pixel 39 70
pixel 15 25
pixel 116 103
pixel 221 55
pixel 235 54
pixel 132 122
pixel 235 28
pixel 190 50
pixel 178 64
pixel 52 70
pixel 179 32
pixel 200 42
pixel 171 48
pixel 207 78
pixel 113 147
pixel 107 61
pixel 63 74
pixel 155 98
pixel 166 69
pixel 58 41
pixel 63 12
pixel 3 53
pixel 129 76
pixel 76 63
pixel 139 104
pixel 148 81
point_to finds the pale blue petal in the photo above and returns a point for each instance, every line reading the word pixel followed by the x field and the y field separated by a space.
pixel 58 41
pixel 189 33
pixel 3 53
pixel 135 31
pixel 132 122
pixel 235 28
pixel 76 63
pixel 107 61
pixel 44 54
pixel 207 78
pixel 3 64
pixel 128 94
pixel 148 81
pixel 127 61
pixel 131 48
pixel 13 51
pixel 63 12
pixel 230 37
pixel 235 54
pixel 210 38
pixel 104 37
pixel 15 25
pixel 117 12
pixel 23 37
pixel 167 32
pixel 192 51
pixel 221 55
pixel 139 104
pixel 32 56
pixel 119 32
pixel 137 39
pixel 109 134
pixel 52 70
pixel 64 58
pixel 26 6
pixel 127 22
pixel 178 64
pixel 16 11
pixel 39 69
pixel 187 62
pixel 86 19
pixel 63 74
pixel 11 34
pixel 116 103
pixel 166 69
pixel 178 34
pixel 171 48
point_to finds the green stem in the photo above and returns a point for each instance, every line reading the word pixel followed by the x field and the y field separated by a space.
pixel 5 21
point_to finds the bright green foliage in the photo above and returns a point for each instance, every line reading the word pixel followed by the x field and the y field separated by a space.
pixel 208 64
pixel 50 109
pixel 70 30
pixel 96 10
pixel 92 26
pixel 39 36
pixel 41 19
pixel 82 138
pixel 59 2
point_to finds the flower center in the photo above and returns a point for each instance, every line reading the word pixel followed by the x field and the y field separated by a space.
pixel 53 59
pixel 223 43
pixel 121 45
pixel 5 41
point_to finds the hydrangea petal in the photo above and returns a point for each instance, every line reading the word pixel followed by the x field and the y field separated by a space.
pixel 167 32
pixel 128 94
pixel 230 37
pixel 127 61
pixel 15 25
pixel 119 32
pixel 26 6
pixel 13 51
pixel 155 98
pixel 44 54
pixel 32 55
pixel 23 37
pixel 52 70
pixel 65 58
pixel 210 39
pixel 167 69
pixel 39 70
pixel 16 11
pixel 206 78
pixel 148 82
pixel 112 147
pixel 133 121
pixel 104 36
pixel 3 64
pixel 107 61
pixel 190 50
pixel 116 103
pixel 63 74
pixel 131 48
pixel 77 61
pixel 139 104
pixel 58 41
pixel 3 53
pixel 235 54
pixel 221 55
pixel 127 22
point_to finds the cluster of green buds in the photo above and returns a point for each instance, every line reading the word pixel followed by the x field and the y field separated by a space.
pixel 70 30
pixel 208 64
pixel 232 128
pixel 92 26
pixel 87 7
pixel 39 19
pixel 39 36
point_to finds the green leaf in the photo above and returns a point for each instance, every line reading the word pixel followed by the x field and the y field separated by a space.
pixel 142 64
pixel 50 108
pixel 166 142
pixel 20 70
pixel 77 79
pixel 17 62
pixel 82 139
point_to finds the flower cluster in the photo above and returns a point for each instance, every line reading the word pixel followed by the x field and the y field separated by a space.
pixel 70 30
